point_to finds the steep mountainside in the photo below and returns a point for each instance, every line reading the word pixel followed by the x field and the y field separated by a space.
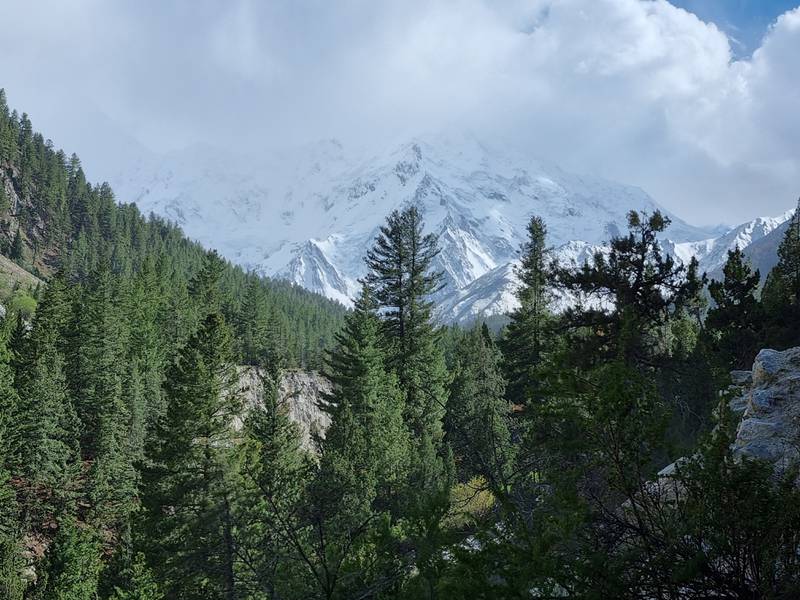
pixel 309 215
pixel 712 253
pixel 53 219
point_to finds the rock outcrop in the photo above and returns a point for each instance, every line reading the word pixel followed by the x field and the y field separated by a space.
pixel 770 408
pixel 302 394
pixel 767 399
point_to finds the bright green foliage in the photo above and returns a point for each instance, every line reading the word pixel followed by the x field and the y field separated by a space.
pixel 364 460
pixel 140 584
pixel 478 417
pixel 736 319
pixel 401 279
pixel 527 337
pixel 274 471
pixel 73 564
pixel 187 495
pixel 22 303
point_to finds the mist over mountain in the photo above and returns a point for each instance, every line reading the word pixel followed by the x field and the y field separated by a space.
pixel 308 214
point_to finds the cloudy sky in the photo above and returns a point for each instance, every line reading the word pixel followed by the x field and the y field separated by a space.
pixel 695 100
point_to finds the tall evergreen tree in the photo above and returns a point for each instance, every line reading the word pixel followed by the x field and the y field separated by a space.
pixel 11 585
pixel 97 380
pixel 364 460
pixel 73 564
pixel 274 469
pixel 17 250
pixel 626 296
pixel 252 324
pixel 525 339
pixel 45 438
pixel 477 424
pixel 140 584
pixel 402 280
pixel 736 319
pixel 187 495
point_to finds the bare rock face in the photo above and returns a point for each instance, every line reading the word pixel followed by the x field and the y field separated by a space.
pixel 770 426
pixel 767 399
pixel 302 393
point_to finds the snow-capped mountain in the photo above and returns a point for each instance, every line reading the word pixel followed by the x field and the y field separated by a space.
pixel 309 215
pixel 713 252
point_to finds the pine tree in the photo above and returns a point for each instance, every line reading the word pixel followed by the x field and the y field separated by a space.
pixel 268 509
pixel 17 250
pixel 187 493
pixel 364 459
pixel 140 584
pixel 401 278
pixel 5 204
pixel 97 378
pixel 736 319
pixel 204 288
pixel 73 564
pixel 526 338
pixel 44 440
pixel 788 267
pixel 253 324
pixel 11 585
pixel 644 287
pixel 366 403
pixel 477 424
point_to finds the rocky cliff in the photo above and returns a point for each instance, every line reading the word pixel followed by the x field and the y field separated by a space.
pixel 769 403
pixel 301 393
pixel 767 400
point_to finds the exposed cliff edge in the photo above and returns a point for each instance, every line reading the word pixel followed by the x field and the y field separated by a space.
pixel 770 408
pixel 301 392
pixel 767 400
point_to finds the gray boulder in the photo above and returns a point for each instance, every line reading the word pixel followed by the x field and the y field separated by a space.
pixel 770 425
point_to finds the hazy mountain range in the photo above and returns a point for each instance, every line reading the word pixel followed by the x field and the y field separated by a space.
pixel 309 214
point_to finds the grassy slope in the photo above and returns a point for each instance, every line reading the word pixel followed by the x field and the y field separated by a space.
pixel 11 273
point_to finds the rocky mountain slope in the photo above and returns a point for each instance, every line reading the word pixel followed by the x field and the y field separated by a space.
pixel 309 215
pixel 763 232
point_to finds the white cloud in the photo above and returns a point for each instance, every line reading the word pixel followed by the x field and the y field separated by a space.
pixel 637 90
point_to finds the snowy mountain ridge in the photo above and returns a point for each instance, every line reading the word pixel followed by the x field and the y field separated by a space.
pixel 309 215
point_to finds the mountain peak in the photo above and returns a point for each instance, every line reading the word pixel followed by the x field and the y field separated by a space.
pixel 310 214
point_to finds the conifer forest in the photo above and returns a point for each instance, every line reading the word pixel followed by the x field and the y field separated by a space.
pixel 515 458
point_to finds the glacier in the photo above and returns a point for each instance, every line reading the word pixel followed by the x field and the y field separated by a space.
pixel 308 214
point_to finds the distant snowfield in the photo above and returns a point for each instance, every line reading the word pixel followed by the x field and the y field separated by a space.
pixel 310 214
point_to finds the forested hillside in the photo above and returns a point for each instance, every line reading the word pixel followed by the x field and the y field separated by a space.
pixel 457 464
pixel 53 220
